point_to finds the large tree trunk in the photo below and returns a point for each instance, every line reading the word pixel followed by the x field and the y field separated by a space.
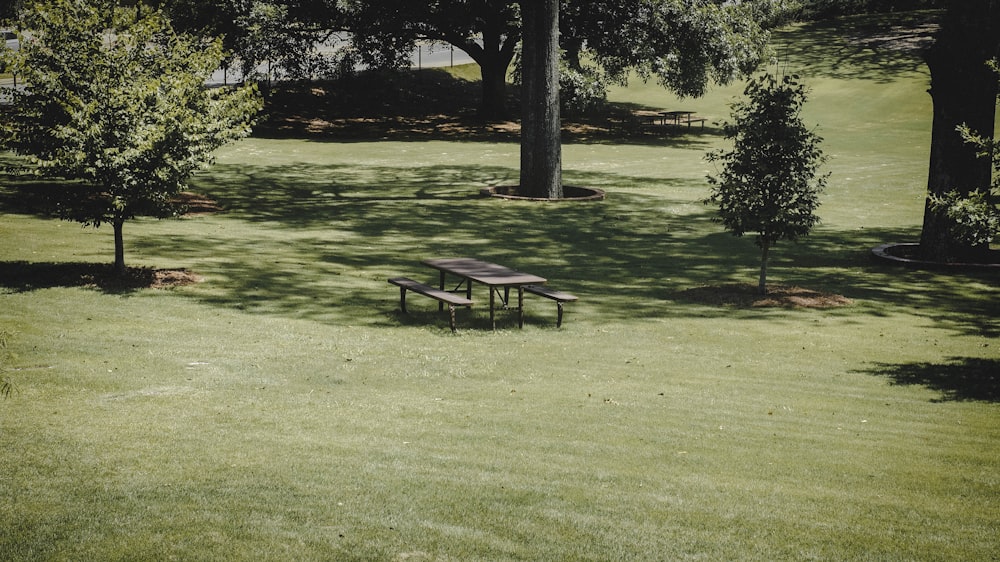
pixel 541 149
pixel 493 70
pixel 964 91
pixel 498 51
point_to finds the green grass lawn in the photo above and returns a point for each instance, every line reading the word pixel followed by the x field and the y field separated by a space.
pixel 284 409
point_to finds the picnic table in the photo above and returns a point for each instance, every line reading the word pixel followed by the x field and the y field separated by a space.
pixel 678 117
pixel 495 276
pixel 674 116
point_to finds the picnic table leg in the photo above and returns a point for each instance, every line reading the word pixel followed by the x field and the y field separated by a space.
pixel 520 306
pixel 492 304
pixel 402 299
pixel 441 303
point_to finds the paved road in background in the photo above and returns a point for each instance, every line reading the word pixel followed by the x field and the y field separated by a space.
pixel 435 55
pixel 426 56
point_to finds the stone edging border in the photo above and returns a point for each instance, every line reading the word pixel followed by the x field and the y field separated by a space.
pixel 881 252
pixel 502 192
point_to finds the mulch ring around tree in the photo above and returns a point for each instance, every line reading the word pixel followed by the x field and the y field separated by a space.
pixel 197 204
pixel 745 295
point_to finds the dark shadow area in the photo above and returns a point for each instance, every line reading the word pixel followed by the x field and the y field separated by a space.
pixel 24 276
pixel 432 104
pixel 869 47
pixel 960 379
pixel 28 195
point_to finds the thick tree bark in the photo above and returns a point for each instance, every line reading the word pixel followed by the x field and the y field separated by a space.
pixel 498 51
pixel 493 56
pixel 964 91
pixel 493 70
pixel 541 148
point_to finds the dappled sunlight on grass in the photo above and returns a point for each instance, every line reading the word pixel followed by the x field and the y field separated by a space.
pixel 870 47
pixel 319 240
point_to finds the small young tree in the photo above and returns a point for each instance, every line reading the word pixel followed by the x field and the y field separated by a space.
pixel 116 104
pixel 769 182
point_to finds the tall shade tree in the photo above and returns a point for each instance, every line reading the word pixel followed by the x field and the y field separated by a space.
pixel 116 105
pixel 964 92
pixel 769 183
pixel 386 31
pixel 541 151
pixel 682 43
pixel 685 44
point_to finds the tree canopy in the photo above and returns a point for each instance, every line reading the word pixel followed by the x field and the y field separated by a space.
pixel 116 105
pixel 683 44
pixel 283 33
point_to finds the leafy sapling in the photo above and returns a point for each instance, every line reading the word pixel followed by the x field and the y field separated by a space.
pixel 769 182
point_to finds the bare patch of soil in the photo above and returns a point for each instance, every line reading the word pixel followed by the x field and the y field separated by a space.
pixel 166 278
pixel 745 295
pixel 138 278
pixel 197 204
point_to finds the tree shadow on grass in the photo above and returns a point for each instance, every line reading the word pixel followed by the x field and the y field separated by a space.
pixel 431 104
pixel 960 379
pixel 868 47
pixel 325 239
pixel 22 276
pixel 319 241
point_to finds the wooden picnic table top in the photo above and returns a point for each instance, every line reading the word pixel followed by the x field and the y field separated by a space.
pixel 483 272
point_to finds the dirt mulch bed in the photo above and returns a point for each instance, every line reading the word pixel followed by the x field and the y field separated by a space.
pixel 137 278
pixel 197 204
pixel 745 295
pixel 166 278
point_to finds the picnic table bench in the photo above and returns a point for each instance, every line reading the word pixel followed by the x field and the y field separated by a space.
pixel 442 296
pixel 559 296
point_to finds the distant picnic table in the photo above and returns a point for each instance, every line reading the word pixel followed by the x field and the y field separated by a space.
pixel 675 117
pixel 498 278
pixel 680 116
